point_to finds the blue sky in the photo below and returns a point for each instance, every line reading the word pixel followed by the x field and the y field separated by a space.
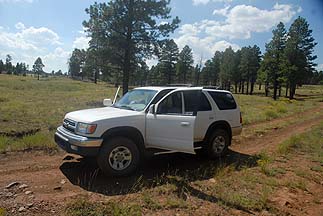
pixel 51 29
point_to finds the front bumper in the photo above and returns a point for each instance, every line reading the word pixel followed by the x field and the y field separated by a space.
pixel 77 144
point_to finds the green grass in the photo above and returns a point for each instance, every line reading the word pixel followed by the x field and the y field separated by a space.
pixel 33 109
pixel 83 207
pixel 30 110
pixel 311 142
pixel 249 187
pixel 257 108
pixel 3 212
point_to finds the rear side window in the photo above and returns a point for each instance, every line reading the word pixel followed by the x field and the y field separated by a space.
pixel 204 104
pixel 223 100
pixel 195 101
pixel 191 102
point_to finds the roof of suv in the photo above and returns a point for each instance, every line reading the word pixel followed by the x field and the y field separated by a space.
pixel 159 88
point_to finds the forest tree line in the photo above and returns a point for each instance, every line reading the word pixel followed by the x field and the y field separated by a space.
pixel 119 48
pixel 125 34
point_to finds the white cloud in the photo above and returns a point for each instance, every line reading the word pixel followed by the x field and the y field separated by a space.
pixel 81 42
pixel 207 36
pixel 222 12
pixel 242 20
pixel 189 29
pixel 40 36
pixel 198 2
pixel 203 47
pixel 28 43
pixel 20 26
pixel 151 62
pixel 56 60
pixel 319 67
pixel 204 2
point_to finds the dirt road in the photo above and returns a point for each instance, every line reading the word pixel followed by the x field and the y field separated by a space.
pixel 50 180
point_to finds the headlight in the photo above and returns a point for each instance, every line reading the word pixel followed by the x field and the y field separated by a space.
pixel 86 128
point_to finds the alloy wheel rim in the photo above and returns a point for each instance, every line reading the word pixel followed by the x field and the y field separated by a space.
pixel 120 158
pixel 218 144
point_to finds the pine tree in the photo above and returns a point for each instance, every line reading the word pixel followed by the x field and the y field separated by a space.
pixel 130 30
pixel 274 56
pixel 298 54
pixel 227 68
pixel 184 64
pixel 38 67
pixel 168 59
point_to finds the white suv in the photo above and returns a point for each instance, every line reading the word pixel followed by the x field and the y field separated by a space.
pixel 157 119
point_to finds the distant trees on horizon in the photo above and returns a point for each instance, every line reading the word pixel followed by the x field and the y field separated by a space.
pixel 288 62
pixel 124 35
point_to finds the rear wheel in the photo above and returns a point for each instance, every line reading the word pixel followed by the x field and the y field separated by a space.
pixel 119 157
pixel 218 143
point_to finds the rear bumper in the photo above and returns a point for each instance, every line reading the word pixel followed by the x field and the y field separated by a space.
pixel 77 144
pixel 236 130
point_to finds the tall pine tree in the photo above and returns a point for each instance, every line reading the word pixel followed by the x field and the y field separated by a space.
pixel 298 54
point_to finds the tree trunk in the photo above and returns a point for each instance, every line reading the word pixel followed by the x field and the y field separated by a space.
pixel 128 47
pixel 266 88
pixel 242 87
pixel 38 76
pixel 259 86
pixel 286 93
pixel 126 71
pixel 280 91
pixel 292 90
pixel 275 88
pixel 247 92
pixel 251 87
pixel 96 74
pixel 236 87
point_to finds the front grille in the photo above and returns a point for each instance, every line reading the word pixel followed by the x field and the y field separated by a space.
pixel 69 125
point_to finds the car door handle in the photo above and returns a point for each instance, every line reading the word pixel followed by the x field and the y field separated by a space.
pixel 185 123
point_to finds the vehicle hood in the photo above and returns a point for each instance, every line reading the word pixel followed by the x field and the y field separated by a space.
pixel 97 114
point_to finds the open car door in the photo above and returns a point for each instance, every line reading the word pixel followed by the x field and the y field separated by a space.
pixel 169 127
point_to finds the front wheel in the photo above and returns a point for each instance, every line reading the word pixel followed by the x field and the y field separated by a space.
pixel 218 143
pixel 118 157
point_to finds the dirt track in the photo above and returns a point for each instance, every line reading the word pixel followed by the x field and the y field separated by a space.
pixel 52 180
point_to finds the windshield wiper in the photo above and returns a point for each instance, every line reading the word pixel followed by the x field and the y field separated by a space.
pixel 125 107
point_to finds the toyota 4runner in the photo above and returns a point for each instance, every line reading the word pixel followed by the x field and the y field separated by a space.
pixel 157 119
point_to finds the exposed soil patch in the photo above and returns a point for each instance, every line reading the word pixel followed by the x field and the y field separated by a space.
pixel 52 182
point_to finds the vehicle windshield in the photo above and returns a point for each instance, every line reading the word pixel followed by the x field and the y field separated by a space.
pixel 136 99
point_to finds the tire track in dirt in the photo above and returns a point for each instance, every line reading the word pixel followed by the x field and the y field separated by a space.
pixel 270 140
pixel 306 112
pixel 42 171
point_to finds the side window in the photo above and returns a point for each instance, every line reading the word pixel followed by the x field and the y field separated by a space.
pixel 204 103
pixel 191 102
pixel 171 105
pixel 223 100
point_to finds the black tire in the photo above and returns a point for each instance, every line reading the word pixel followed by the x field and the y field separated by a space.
pixel 109 151
pixel 216 150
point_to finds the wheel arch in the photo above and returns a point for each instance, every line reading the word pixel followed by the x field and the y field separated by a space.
pixel 125 131
pixel 218 125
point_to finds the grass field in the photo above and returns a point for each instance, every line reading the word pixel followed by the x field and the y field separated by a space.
pixel 267 184
pixel 30 110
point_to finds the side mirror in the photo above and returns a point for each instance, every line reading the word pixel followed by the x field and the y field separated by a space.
pixel 152 109
pixel 107 102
